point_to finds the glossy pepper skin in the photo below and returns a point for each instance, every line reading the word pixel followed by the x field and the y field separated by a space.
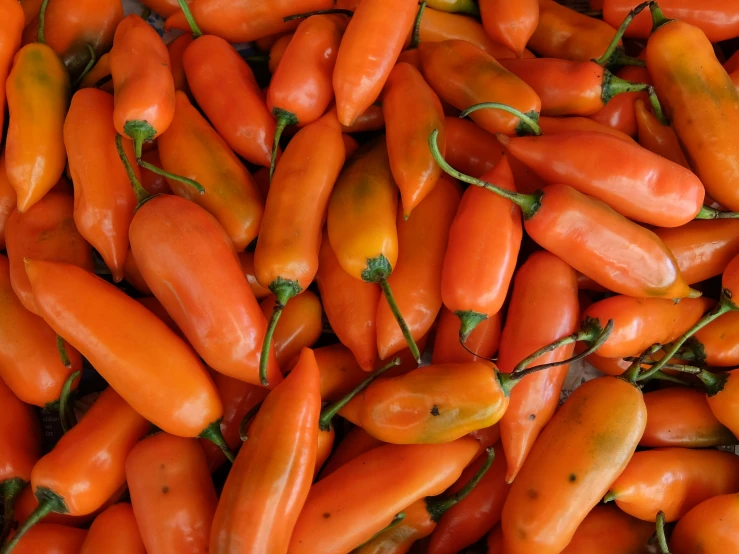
pixel 717 341
pixel 246 259
pixel 7 200
pixel 620 112
pixel 694 87
pixel 277 51
pixel 412 110
pixel 585 446
pixel 477 273
pixel 29 360
pixel 114 531
pixel 416 278
pixel 193 149
pixel 176 50
pixel 300 325
pixel 463 75
pixel 471 149
pixel 225 89
pixel 559 125
pixel 649 188
pixel 339 371
pixel 673 480
pixel 367 502
pixel 227 331
pixel 137 354
pixel 355 443
pixel 37 91
pixel 607 530
pixel 544 307
pixel 709 527
pixel 270 480
pixel 99 76
pixel 49 538
pixel 483 341
pixel 370 47
pixel 45 232
pixel 350 306
pixel 695 426
pixel 510 23
pixel 656 136
pixel 142 82
pixel 172 494
pixel 11 13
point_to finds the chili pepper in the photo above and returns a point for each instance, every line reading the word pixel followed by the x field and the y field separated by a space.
pixel 455 6
pixel 30 9
pixel 470 148
pixel 422 517
pixel 641 322
pixel 411 111
pixel 301 89
pixel 268 484
pixel 165 8
pixel 45 232
pixel 133 276
pixel 114 531
pixel 559 125
pixel 416 279
pixel 172 494
pixel 99 76
pixel 355 442
pixel 476 274
pixel 607 366
pixel 372 119
pixel 649 188
pixel 620 113
pixel 104 201
pixel 694 426
pixel 160 367
pixel 510 23
pixel 370 47
pixel 469 520
pixel 7 200
pixel 607 530
pixel 350 144
pixel 11 13
pixel 463 75
pixel 225 89
pixel 20 434
pixel 716 343
pixel 87 465
pixel 350 306
pixel 585 446
pixel 362 224
pixel 300 325
pixel 277 52
pixel 247 266
pixel 154 183
pixel 176 50
pixel 658 137
pixel 339 370
pixel 693 86
pixel 673 480
pixel 364 495
pixel 482 342
pixel 37 91
pixel 29 360
pixel 544 307
pixel 286 257
pixel 238 398
pixel 702 249
pixel 594 239
pixel 494 541
pixel 192 148
pixel 52 539
pixel 709 527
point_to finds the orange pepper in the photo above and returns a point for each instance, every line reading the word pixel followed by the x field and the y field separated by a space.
pixel 7 200
pixel 607 530
pixel 679 416
pixel 193 149
pixel 172 493
pixel 494 541
pixel 104 201
pixel 620 113
pixel 87 465
pixel 165 8
pixel 45 232
pixel 364 495
pixel 463 75
pixel 411 111
pixel 416 278
pixel 372 119
pixel 673 480
pixel 510 23
pixel 299 327
pixel 482 342
pixel 455 6
pixel 716 344
pixel 559 125
pixel 350 306
pixel 277 52
pixel 176 50
pixel 99 76
pixel 30 9
pixel 52 539
pixel 582 450
pixel 133 276
pixel 246 259
pixel 11 14
pixel 543 307
pixel 656 136
pixel 355 443
pixel 154 183
pixel 471 149
pixel 370 47
pixel 114 531
pixel 27 503
pixel 272 475
pixel 709 527
pixel 143 82
pixel 339 371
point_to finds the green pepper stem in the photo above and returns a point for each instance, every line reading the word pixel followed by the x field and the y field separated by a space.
pixel 670 379
pixel 63 355
pixel 89 66
pixel 317 12
pixel 468 321
pixel 707 212
pixel 388 292
pixel 416 37
pixel 438 506
pixel 10 488
pixel 657 107
pixel 284 118
pixel 613 85
pixel 658 17
pixel 284 290
pixel 196 32
pixel 41 32
pixel 526 119
pixel 142 195
pixel 213 433
pixel 714 382
pixel 48 502
pixel 529 203
pixel 606 57
pixel 328 413
pixel 394 523
pixel 159 171
pixel 248 416
pixel 632 372
pixel 725 305
pixel 661 539
pixel 620 58
pixel 66 411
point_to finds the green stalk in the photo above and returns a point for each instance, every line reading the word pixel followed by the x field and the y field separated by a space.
pixel 528 120
pixel 416 37
pixel 196 32
pixel 213 433
pixel 66 411
pixel 661 539
pixel 606 57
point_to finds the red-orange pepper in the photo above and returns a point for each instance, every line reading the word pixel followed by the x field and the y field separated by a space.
pixel 482 343
pixel 372 119
pixel 620 113
pixel 510 23
pixel 44 232
pixel 270 480
pixel 355 443
pixel 656 136
pixel 246 259
pixel 607 530
pixel 11 13
pixel 30 9
pixel 709 527
pixel 114 531
pixel 340 372
pixel 370 47
pixel 176 50
pixel 49 538
pixel 99 76
pixel 154 183
pixel 299 327
pixel 7 200
pixel 559 125
pixel 27 504
pixel 172 494
pixel 277 52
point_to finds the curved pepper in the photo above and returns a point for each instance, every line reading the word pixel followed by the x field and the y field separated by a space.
pixel 49 537
pixel 481 344
pixel 607 530
pixel 709 526
pixel 114 531
pixel 300 325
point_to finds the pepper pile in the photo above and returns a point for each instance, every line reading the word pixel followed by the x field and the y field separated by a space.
pixel 183 234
